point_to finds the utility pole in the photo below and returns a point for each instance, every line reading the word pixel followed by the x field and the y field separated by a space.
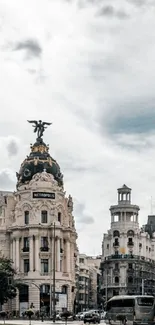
pixel 106 286
pixel 85 294
pixel 51 271
pixel 143 282
pixel 54 274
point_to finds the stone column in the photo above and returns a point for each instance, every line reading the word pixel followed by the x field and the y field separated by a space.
pixel 31 254
pixel 17 254
pixel 11 250
pixel 58 254
pixel 37 259
pixel 14 252
pixel 68 256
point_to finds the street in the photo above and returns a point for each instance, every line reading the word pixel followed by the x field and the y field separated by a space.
pixel 39 322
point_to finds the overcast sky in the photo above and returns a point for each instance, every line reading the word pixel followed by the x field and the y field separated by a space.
pixel 88 66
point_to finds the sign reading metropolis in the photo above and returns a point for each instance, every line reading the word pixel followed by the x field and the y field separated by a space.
pixel 43 195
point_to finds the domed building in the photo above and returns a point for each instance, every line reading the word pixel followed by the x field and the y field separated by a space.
pixel 37 232
pixel 128 261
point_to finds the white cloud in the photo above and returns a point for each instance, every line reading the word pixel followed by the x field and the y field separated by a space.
pixel 94 69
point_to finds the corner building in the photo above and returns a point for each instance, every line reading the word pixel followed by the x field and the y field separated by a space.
pixel 128 261
pixel 28 218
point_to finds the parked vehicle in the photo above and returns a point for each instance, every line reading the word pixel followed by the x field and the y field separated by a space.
pixel 103 315
pixel 138 309
pixel 91 318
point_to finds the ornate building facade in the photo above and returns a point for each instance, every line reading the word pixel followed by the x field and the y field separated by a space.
pixel 87 282
pixel 128 260
pixel 37 231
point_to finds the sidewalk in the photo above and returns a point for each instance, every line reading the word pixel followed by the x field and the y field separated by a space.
pixel 38 322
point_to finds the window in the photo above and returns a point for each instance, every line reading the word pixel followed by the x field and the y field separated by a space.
pixel 130 265
pixel 59 217
pixel 130 233
pixel 26 217
pixel 26 244
pixel 45 288
pixel 107 246
pixel 116 279
pixel 81 260
pixel 44 216
pixel 120 303
pixel 44 266
pixel 81 296
pixel 116 233
pixel 44 241
pixel 81 278
pixel 64 289
pixel 145 301
pixel 26 266
pixel 116 266
pixel 130 280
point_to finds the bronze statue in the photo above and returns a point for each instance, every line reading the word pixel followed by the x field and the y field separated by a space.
pixel 39 127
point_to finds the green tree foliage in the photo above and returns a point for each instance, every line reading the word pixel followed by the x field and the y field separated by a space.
pixel 7 287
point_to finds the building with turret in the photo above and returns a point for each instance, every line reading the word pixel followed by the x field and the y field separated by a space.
pixel 128 260
pixel 37 231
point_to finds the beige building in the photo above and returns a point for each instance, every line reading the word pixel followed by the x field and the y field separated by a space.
pixel 128 260
pixel 37 232
pixel 87 282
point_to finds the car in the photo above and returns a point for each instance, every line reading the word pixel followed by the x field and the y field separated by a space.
pixel 91 318
pixel 103 315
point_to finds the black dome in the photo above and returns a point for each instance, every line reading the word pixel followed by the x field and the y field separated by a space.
pixel 39 160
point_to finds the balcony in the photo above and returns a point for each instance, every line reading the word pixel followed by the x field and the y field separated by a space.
pixel 116 271
pixel 44 249
pixel 44 273
pixel 130 271
pixel 116 244
pixel 130 244
pixel 25 249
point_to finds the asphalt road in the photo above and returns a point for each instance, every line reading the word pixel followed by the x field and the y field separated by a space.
pixel 39 322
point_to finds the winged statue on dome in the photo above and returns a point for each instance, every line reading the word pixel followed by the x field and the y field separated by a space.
pixel 39 127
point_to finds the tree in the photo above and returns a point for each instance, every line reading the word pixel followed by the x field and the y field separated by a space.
pixel 7 285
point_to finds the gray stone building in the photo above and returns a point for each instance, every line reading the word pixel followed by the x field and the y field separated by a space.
pixel 128 260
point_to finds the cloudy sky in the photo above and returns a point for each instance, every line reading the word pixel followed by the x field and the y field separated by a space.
pixel 88 66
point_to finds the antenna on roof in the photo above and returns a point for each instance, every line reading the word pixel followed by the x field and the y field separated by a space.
pixel 151 206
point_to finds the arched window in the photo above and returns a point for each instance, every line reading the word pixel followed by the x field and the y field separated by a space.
pixel 116 279
pixel 23 293
pixel 26 217
pixel 45 289
pixel 64 289
pixel 59 217
pixel 130 233
pixel 130 279
pixel 116 233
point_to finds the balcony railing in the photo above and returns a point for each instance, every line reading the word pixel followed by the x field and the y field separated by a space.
pixel 116 271
pixel 25 249
pixel 125 257
pixel 130 271
pixel 44 249
pixel 130 243
pixel 115 244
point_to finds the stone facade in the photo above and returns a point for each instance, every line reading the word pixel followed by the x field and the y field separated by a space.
pixel 87 282
pixel 128 259
pixel 36 225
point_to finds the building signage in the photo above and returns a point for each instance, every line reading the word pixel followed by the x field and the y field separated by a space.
pixel 43 195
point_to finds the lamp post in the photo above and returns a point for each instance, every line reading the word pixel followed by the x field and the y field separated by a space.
pixel 54 274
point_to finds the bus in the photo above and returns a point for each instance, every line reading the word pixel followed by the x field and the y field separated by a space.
pixel 135 309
